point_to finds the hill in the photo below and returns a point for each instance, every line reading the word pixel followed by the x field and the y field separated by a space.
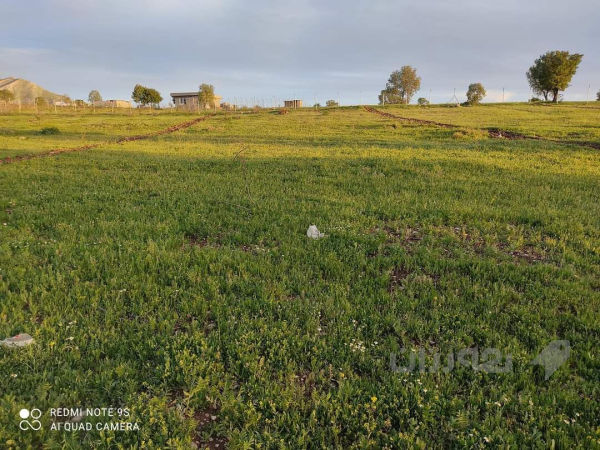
pixel 25 91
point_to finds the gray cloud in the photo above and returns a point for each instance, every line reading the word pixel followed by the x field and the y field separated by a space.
pixel 274 49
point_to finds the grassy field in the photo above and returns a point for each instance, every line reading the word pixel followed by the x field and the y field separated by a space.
pixel 172 277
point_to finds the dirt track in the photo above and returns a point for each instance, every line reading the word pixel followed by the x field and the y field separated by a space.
pixel 58 151
pixel 495 133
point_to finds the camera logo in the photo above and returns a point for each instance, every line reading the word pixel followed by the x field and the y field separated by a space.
pixel 554 355
pixel 30 419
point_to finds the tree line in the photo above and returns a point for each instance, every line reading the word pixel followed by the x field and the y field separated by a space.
pixel 550 74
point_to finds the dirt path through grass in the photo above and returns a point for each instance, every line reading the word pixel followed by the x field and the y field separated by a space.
pixel 495 133
pixel 58 151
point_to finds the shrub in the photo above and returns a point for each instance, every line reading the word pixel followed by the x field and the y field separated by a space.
pixel 49 130
pixel 331 103
pixel 598 96
pixel 535 100
pixel 422 101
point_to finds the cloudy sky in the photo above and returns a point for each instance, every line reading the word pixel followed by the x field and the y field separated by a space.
pixel 261 51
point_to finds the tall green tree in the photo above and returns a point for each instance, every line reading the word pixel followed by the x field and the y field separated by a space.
pixel 401 86
pixel 206 96
pixel 153 97
pixel 475 93
pixel 598 96
pixel 94 97
pixel 145 96
pixel 552 73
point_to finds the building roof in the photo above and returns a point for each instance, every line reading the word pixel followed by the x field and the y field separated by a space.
pixel 184 94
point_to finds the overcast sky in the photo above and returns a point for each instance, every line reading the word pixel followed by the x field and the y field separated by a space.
pixel 309 49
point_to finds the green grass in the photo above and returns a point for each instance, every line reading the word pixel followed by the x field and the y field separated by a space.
pixel 173 277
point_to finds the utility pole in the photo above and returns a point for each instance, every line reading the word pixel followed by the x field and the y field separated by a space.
pixel 587 98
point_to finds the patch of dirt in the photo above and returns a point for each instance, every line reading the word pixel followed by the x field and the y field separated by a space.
pixel 397 276
pixel 58 151
pixel 196 241
pixel 410 119
pixel 528 254
pixel 182 323
pixel 408 235
pixel 497 133
pixel 171 129
pixel 203 419
pixel 306 381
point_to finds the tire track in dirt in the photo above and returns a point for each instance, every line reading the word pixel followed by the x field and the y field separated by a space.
pixel 58 151
pixel 495 133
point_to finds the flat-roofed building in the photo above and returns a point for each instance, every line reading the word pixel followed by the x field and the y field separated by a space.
pixel 189 100
pixel 114 104
pixel 292 104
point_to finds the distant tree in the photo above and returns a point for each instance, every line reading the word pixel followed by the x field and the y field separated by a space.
pixel 65 98
pixel 317 105
pixel 79 102
pixel 94 97
pixel 41 102
pixel 139 94
pixel 145 96
pixel 331 103
pixel 206 96
pixel 422 101
pixel 598 96
pixel 153 96
pixel 475 93
pixel 401 86
pixel 6 95
pixel 552 73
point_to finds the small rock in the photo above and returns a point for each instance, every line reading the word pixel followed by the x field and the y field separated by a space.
pixel 20 340
pixel 314 233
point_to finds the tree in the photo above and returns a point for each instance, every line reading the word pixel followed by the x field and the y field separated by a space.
pixel 422 101
pixel 206 96
pixel 41 101
pixel 145 96
pixel 475 93
pixel 401 86
pixel 6 95
pixel 598 96
pixel 153 96
pixel 552 73
pixel 331 103
pixel 94 97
